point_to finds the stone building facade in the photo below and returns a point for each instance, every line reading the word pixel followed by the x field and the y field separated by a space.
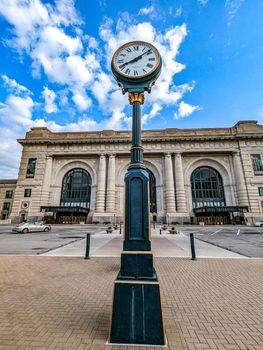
pixel 7 191
pixel 213 176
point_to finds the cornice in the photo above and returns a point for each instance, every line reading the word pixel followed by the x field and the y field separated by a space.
pixel 162 139
pixel 243 130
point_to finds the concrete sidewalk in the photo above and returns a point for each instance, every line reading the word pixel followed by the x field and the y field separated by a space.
pixel 165 245
pixel 64 303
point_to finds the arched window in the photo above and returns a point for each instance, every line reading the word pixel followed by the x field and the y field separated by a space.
pixel 153 201
pixel 207 188
pixel 76 188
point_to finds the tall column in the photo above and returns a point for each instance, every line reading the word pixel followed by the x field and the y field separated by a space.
pixel 100 201
pixel 46 181
pixel 169 184
pixel 240 181
pixel 110 205
pixel 179 184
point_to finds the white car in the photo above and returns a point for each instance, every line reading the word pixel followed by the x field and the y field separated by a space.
pixel 26 227
pixel 259 223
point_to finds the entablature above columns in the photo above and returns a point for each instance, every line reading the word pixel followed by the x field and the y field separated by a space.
pixel 123 153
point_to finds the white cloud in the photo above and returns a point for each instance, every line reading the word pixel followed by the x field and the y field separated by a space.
pixel 146 10
pixel 155 110
pixel 232 7
pixel 15 118
pixel 82 101
pixel 40 31
pixel 16 110
pixel 54 42
pixel 184 110
pixel 26 17
pixel 179 11
pixel 13 86
pixel 101 87
pixel 203 2
pixel 64 12
pixel 10 153
pixel 49 97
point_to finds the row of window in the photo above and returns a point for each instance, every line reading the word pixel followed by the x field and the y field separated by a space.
pixel 5 210
pixel 6 205
pixel 206 183
pixel 207 204
pixel 9 194
pixel 75 204
pixel 202 194
pixel 27 193
pixel 257 164
pixel 196 203
pixel 31 168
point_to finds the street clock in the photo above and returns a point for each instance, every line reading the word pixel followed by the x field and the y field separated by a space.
pixel 136 64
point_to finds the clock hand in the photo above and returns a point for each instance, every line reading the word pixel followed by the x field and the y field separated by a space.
pixel 134 59
pixel 139 57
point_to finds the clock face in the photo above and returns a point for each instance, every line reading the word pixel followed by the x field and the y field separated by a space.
pixel 136 59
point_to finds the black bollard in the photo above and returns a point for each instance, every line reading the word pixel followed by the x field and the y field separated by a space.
pixel 87 246
pixel 192 246
pixel 120 228
pixel 160 231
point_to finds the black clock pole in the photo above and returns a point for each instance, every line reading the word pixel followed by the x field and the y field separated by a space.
pixel 137 316
pixel 136 99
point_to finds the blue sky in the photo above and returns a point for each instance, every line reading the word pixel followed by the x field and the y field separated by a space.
pixel 55 65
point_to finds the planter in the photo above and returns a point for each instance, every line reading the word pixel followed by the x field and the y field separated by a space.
pixel 173 231
pixel 164 227
pixel 115 226
pixel 109 229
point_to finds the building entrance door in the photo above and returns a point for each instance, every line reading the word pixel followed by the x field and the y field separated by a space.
pixel 70 219
pixel 223 219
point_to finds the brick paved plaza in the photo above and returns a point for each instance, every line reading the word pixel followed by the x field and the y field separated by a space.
pixel 64 303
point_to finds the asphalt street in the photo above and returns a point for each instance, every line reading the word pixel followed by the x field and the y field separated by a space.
pixel 246 241
pixel 40 242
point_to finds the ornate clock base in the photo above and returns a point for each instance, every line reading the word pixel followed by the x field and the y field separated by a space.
pixel 137 313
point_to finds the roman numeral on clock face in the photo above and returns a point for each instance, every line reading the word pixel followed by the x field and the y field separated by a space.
pixel 136 60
